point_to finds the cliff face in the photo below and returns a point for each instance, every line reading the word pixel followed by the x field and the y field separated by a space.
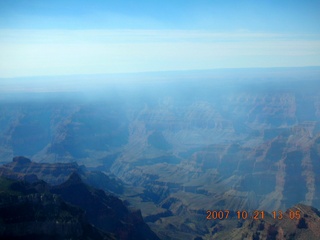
pixel 106 212
pixel 29 214
pixel 41 211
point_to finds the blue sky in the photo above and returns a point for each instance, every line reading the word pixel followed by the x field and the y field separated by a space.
pixel 89 37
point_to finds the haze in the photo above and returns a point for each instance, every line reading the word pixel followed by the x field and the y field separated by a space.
pixel 57 38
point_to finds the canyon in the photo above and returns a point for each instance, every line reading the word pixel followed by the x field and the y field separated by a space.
pixel 177 144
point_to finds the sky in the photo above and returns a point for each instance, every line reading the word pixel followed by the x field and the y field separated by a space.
pixel 48 38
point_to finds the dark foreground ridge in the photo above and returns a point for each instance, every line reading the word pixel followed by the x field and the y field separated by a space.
pixel 71 210
pixel 30 208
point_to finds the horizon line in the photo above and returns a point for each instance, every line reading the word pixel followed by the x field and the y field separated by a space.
pixel 161 72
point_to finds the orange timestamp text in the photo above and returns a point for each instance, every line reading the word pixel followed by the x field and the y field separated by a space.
pixel 256 215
